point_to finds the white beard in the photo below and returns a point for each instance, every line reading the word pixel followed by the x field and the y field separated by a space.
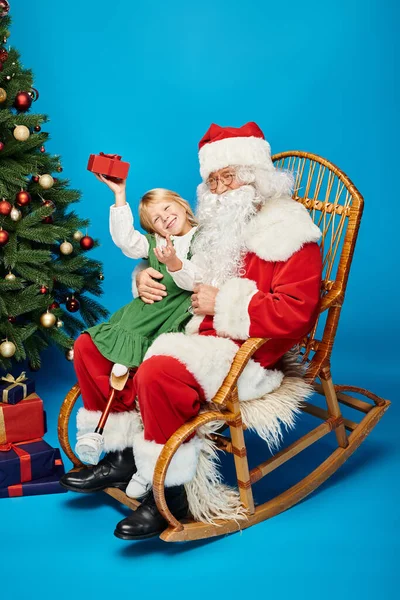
pixel 219 244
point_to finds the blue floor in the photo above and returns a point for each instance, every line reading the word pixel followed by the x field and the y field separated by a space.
pixel 343 539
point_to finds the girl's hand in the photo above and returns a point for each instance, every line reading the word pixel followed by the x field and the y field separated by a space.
pixel 203 299
pixel 118 187
pixel 167 255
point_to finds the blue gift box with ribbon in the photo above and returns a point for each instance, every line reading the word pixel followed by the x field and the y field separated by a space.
pixel 13 390
pixel 44 485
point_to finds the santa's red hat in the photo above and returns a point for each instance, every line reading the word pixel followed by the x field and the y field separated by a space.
pixel 227 146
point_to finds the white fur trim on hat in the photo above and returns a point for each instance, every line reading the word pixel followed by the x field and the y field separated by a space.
pixel 244 151
pixel 118 431
pixel 231 317
pixel 182 467
pixel 209 359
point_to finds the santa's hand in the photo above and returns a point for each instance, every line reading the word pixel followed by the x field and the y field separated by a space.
pixel 203 299
pixel 150 291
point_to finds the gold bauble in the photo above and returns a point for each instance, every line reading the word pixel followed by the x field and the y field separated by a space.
pixel 78 235
pixel 66 248
pixel 48 320
pixel 10 276
pixel 7 349
pixel 3 95
pixel 21 133
pixel 46 181
pixel 59 323
pixel 15 214
pixel 69 355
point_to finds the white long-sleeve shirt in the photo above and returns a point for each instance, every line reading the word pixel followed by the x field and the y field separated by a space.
pixel 135 245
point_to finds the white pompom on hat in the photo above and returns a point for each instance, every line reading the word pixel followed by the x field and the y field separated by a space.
pixel 222 147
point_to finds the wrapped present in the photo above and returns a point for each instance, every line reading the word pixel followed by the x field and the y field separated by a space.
pixel 110 165
pixel 44 485
pixel 22 421
pixel 14 390
pixel 24 461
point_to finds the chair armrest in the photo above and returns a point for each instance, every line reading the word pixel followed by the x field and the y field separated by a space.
pixel 241 359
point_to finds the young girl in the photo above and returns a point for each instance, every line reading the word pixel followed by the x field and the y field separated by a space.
pixel 170 224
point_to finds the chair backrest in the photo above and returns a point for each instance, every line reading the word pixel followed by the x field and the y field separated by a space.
pixel 336 206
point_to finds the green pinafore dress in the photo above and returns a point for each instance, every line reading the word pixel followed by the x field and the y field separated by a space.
pixel 130 331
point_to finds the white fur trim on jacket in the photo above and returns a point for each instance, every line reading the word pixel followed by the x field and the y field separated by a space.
pixel 244 151
pixel 118 431
pixel 183 464
pixel 209 359
pixel 231 317
pixel 280 229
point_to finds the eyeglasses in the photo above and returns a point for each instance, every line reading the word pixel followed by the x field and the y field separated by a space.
pixel 225 179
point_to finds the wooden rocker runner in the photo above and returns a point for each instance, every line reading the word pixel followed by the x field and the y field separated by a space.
pixel 336 207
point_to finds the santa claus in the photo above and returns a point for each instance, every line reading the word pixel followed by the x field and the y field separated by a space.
pixel 261 274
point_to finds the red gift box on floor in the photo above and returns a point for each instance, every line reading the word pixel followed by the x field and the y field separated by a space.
pixel 108 164
pixel 22 421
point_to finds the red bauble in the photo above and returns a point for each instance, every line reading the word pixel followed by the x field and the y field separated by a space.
pixel 35 178
pixel 3 55
pixel 47 220
pixel 23 198
pixel 86 242
pixel 1 143
pixel 54 305
pixel 44 289
pixel 5 208
pixel 22 101
pixel 72 304
pixel 59 169
pixel 11 319
pixel 4 8
pixel 4 237
pixel 37 128
pixel 42 149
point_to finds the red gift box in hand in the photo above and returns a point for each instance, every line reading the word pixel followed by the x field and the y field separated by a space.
pixel 110 165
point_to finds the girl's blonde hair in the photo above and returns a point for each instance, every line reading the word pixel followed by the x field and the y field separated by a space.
pixel 161 195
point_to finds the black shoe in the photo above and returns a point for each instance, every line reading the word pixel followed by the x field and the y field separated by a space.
pixel 146 521
pixel 114 470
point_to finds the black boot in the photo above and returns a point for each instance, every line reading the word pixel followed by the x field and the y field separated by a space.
pixel 146 521
pixel 114 470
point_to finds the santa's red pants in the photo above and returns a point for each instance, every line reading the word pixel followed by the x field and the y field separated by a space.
pixel 168 394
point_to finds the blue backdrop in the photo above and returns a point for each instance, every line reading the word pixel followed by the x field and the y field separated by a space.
pixel 145 80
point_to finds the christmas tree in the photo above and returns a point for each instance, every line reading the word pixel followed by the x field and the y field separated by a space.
pixel 43 252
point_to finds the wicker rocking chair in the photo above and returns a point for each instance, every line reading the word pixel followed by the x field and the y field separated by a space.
pixel 336 207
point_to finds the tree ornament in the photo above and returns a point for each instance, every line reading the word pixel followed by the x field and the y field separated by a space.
pixel 9 77
pixel 54 305
pixel 44 289
pixel 7 349
pixel 66 248
pixel 59 169
pixel 21 133
pixel 87 242
pixel 11 319
pixel 59 323
pixel 3 55
pixel 22 101
pixel 34 94
pixel 42 149
pixel 23 198
pixel 3 95
pixel 69 355
pixel 4 8
pixel 46 181
pixel 15 214
pixel 48 220
pixel 4 237
pixel 72 304
pixel 78 235
pixel 100 276
pixel 48 203
pixel 1 146
pixel 47 319
pixel 10 276
pixel 37 128
pixel 35 178
pixel 5 207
